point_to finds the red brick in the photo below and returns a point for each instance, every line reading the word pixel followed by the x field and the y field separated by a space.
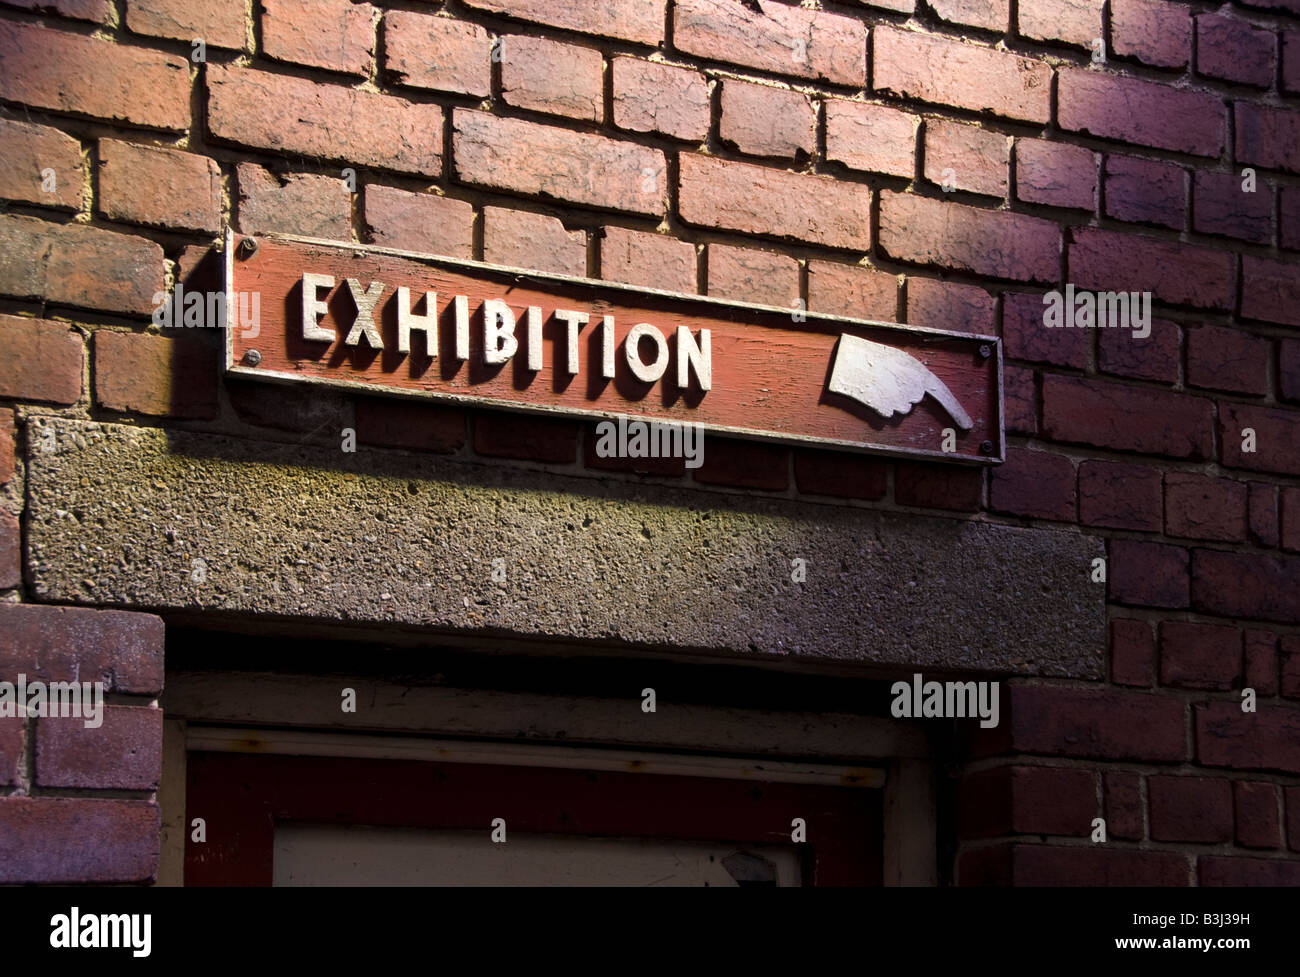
pixel 1037 484
pixel 1290 666
pixel 95 10
pixel 647 260
pixel 1232 49
pixel 761 200
pixel 1176 273
pixel 1154 357
pixel 1148 574
pixel 872 138
pixel 334 34
pixel 1268 739
pixel 1291 519
pixel 950 305
pixel 422 222
pixel 313 413
pixel 839 474
pixel 12 755
pixel 967 76
pixel 1268 136
pixel 292 116
pixel 419 427
pixel 1261 661
pixel 1124 806
pixel 938 486
pixel 1096 724
pixel 1102 414
pixel 1145 113
pixel 73 73
pixel 765 121
pixel 220 23
pixel 1132 653
pixel 123 753
pixel 66 644
pixel 632 20
pixel 956 236
pixel 147 374
pixel 549 76
pixel 1027 336
pixel 1291 61
pixel 537 160
pixel 1020 400
pixel 43 361
pixel 761 36
pixel 1190 809
pixel 1056 174
pixel 978 158
pixel 1204 507
pixel 745 464
pixel 11 572
pixel 852 290
pixel 1288 378
pixel 1246 585
pixel 1146 191
pixel 654 97
pixel 1078 865
pixel 525 240
pixel 294 203
pixel 992 15
pixel 745 275
pixel 1292 795
pixel 153 185
pixel 664 467
pixel 1199 656
pixel 1069 21
pixel 1026 800
pixel 6 442
pixel 1216 870
pixel 1221 206
pixel 1289 212
pixel 32 149
pixel 67 839
pixel 438 53
pixel 1255 807
pixel 1155 32
pixel 1277 432
pixel 545 439
pixel 1270 290
pixel 1119 496
pixel 1228 359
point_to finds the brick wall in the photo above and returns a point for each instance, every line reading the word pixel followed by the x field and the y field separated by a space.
pixel 940 163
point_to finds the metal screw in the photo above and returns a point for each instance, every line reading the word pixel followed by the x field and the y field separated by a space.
pixel 986 351
pixel 986 447
pixel 247 247
pixel 253 357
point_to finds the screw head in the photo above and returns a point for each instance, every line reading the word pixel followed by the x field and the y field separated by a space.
pixel 986 447
pixel 247 247
pixel 986 351
pixel 252 357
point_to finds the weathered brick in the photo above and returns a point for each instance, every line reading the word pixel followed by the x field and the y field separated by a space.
pixel 746 275
pixel 760 200
pixel 309 411
pixel 1132 653
pixel 153 185
pixel 1027 336
pixel 439 53
pixel 1263 588
pixel 654 97
pixel 1267 136
pixel 1155 32
pixel 1288 371
pixel 1190 809
pixel 1108 724
pixel 1199 656
pixel 43 361
pixel 1288 220
pixel 979 160
pixel 530 438
pixel 765 121
pixel 1180 274
pixel 1145 113
pixel 1221 206
pixel 1020 400
pixel 1148 574
pixel 1102 414
pixel 745 464
pixel 1270 289
pixel 124 752
pixel 12 750
pixel 525 240
pixel 1268 739
pixel 1291 519
pixel 1119 496
pixel 220 23
pixel 1261 661
pixel 951 305
pixel 67 839
pixel 308 204
pixel 964 75
pixel 1262 518
pixel 1153 357
pixel 852 290
pixel 1146 191
pixel 1216 870
pixel 1037 484
pixel 632 20
pixel 955 236
pixel 761 35
pixel 1277 432
pixel 1124 806
pixel 420 222
pixel 418 427
pixel 1228 359
pixel 6 441
pixel 1255 807
pixel 94 10
pixel 549 76
pixel 11 572
pixel 839 474
pixel 938 486
pixel 1291 61
pixel 122 649
pixel 334 34
pixel 1026 800
pixel 582 168
pixel 298 115
pixel 647 260
pixel 1077 865
pixel 148 374
pixel 1056 174
pixel 1234 50
pixel 869 137
pixel 30 151
pixel 1205 507
pixel 664 467
pixel 1290 666
pixel 1069 21
pixel 992 15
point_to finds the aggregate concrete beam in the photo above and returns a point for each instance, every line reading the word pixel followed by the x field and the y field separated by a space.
pixel 141 518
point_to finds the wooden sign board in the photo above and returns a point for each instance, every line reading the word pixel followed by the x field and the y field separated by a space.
pixel 394 323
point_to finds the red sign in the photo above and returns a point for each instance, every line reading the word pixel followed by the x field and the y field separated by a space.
pixel 390 322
